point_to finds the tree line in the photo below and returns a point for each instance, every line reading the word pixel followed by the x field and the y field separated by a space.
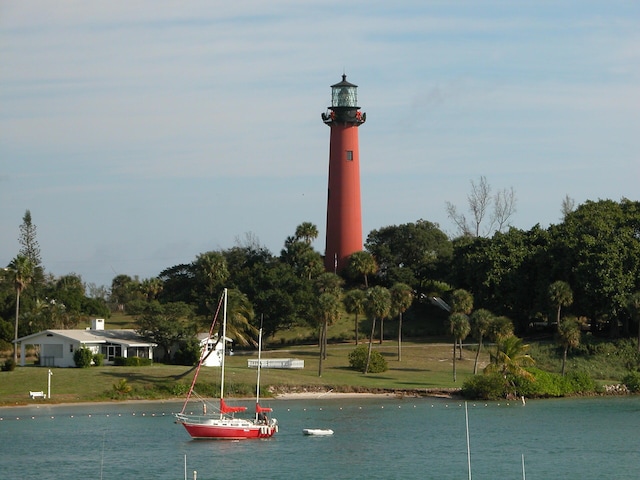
pixel 584 269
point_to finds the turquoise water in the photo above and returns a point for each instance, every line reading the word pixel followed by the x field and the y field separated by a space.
pixel 374 438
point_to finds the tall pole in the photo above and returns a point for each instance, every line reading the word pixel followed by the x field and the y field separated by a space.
pixel 344 214
pixel 49 384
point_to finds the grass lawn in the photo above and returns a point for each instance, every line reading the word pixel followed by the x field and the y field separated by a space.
pixel 423 366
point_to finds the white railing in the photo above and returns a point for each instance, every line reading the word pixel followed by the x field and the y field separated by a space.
pixel 276 363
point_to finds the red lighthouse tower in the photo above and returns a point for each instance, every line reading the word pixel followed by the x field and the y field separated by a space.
pixel 344 215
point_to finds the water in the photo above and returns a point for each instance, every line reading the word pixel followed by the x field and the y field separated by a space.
pixel 383 438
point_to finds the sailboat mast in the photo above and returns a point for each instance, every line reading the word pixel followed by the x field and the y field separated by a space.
pixel 259 362
pixel 224 341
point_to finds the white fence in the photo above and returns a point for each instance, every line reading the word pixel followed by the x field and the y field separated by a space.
pixel 276 363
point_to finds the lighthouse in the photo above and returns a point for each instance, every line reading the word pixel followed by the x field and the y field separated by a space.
pixel 344 213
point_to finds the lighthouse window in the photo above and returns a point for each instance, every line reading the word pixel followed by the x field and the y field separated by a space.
pixel 350 155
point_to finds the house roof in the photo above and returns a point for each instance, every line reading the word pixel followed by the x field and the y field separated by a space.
pixel 203 336
pixel 123 337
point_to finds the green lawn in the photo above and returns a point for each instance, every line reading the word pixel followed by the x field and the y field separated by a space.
pixel 423 366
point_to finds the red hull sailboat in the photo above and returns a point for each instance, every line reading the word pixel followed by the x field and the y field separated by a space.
pixel 224 425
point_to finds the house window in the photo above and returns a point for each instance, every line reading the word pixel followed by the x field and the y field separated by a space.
pixel 71 347
pixel 349 155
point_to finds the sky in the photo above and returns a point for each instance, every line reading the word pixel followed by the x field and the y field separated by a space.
pixel 142 133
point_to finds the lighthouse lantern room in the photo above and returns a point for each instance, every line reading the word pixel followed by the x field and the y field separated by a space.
pixel 344 216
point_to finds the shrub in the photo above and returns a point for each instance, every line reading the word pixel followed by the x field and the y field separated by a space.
pixel 98 359
pixel 179 389
pixel 632 381
pixel 581 382
pixel 122 387
pixel 358 360
pixel 484 387
pixel 188 353
pixel 82 357
pixel 131 362
pixel 9 365
pixel 546 384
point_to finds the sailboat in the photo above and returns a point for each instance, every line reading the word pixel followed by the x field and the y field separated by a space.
pixel 224 424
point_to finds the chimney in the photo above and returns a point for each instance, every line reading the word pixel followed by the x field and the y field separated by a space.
pixel 97 324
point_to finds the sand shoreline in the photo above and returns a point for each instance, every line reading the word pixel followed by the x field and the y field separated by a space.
pixel 285 395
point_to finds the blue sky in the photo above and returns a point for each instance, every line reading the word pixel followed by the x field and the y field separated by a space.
pixel 142 133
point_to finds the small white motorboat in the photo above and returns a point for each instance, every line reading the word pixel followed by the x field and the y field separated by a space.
pixel 317 431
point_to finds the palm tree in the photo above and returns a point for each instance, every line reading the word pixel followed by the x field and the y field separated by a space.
pixel 461 302
pixel 362 263
pixel 569 337
pixel 307 232
pixel 240 316
pixel 328 312
pixel 401 300
pixel 329 282
pixel 500 328
pixel 480 324
pixel 354 301
pixel 378 305
pixel 560 295
pixel 211 273
pixel 151 288
pixel 459 328
pixel 21 270
pixel 510 358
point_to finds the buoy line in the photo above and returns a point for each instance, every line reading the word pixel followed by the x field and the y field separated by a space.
pixel 289 409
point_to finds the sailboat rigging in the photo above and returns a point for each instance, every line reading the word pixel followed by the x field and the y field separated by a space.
pixel 224 424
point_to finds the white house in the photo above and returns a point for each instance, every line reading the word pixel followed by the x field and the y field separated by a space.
pixel 56 347
pixel 214 359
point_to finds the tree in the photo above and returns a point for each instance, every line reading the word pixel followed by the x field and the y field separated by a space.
pixel 69 290
pixel 329 292
pixel 21 270
pixel 306 262
pixel 510 358
pixel 479 201
pixel 633 306
pixel 597 251
pixel 378 305
pixel 30 248
pixel 560 295
pixel 29 244
pixel 240 318
pixel 499 329
pixel 123 289
pixel 568 337
pixel 329 282
pixel 354 301
pixel 462 302
pixel 568 206
pixel 211 274
pixel 480 323
pixel 410 253
pixel 401 300
pixel 459 328
pixel 166 324
pixel 307 232
pixel 508 273
pixel 361 264
pixel 151 288
pixel 328 309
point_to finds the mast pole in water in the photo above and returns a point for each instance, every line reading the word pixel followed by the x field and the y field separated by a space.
pixel 466 417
